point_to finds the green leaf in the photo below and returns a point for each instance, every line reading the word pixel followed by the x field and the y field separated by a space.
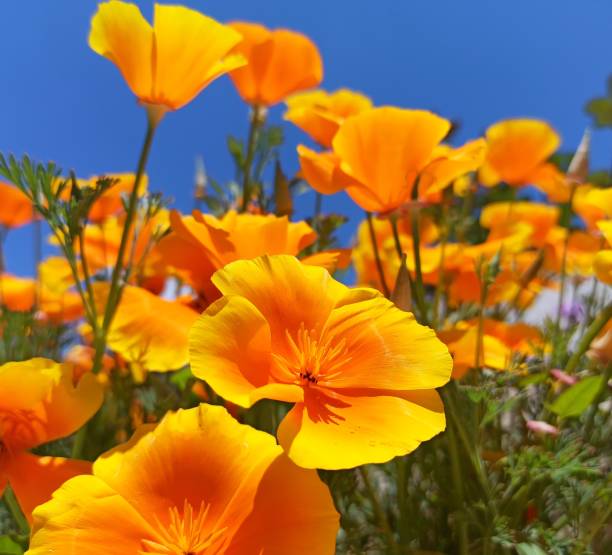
pixel 236 149
pixel 576 399
pixel 533 379
pixel 529 549
pixel 9 547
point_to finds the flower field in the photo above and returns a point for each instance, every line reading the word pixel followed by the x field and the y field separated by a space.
pixel 235 378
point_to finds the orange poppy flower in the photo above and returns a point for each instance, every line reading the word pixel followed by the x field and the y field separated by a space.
pixel 360 371
pixel 500 342
pixel 15 208
pixel 199 482
pixel 167 64
pixel 377 156
pixel 39 403
pixel 280 62
pixel 147 330
pixel 602 263
pixel 541 217
pixel 201 244
pixel 19 294
pixel 320 113
pixel 517 152
pixel 593 204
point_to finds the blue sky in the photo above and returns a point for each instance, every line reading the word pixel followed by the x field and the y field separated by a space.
pixel 476 61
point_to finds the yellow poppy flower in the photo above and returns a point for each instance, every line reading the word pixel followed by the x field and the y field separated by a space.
pixel 517 151
pixel 199 482
pixel 147 330
pixel 280 62
pixel 360 371
pixel 320 113
pixel 40 402
pixel 168 63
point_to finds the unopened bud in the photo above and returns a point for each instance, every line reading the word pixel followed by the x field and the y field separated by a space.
pixel 402 291
pixel 578 170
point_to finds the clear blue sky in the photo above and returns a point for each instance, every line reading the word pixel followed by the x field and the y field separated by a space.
pixel 474 60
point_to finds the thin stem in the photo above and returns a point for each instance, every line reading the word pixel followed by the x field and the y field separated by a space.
pixel 416 247
pixel 458 479
pixel 316 217
pixel 257 120
pixel 591 333
pixel 13 506
pixel 563 274
pixel 116 287
pixel 379 512
pixel 379 267
pixel 396 237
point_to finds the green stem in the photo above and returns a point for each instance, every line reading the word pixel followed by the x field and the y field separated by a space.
pixel 13 506
pixel 254 126
pixel 379 512
pixel 316 224
pixel 470 449
pixel 585 539
pixel 557 329
pixel 591 333
pixel 419 288
pixel 462 533
pixel 116 287
pixel 379 267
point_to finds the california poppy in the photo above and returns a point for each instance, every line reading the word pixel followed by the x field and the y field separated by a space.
pixel 360 371
pixel 167 64
pixel 320 113
pixel 15 208
pixel 518 150
pixel 280 62
pixel 147 330
pixel 39 402
pixel 199 482
pixel 201 244
pixel 377 156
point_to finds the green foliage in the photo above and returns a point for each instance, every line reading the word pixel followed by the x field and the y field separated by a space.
pixel 600 109
pixel 579 397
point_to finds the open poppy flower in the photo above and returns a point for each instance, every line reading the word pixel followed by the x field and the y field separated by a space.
pixel 378 154
pixel 602 263
pixel 320 113
pixel 593 204
pixel 201 244
pixel 280 62
pixel 360 371
pixel 198 483
pixel 15 208
pixel 517 152
pixel 167 64
pixel 39 402
pixel 147 330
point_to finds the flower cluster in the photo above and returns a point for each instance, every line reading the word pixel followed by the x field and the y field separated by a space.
pixel 206 382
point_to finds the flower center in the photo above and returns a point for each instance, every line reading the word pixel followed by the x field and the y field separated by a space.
pixel 187 533
pixel 312 358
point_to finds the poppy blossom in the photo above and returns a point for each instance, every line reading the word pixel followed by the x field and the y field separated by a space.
pixel 168 63
pixel 360 371
pixel 15 208
pixel 199 482
pixel 147 330
pixel 40 402
pixel 518 150
pixel 320 114
pixel 378 155
pixel 280 62
pixel 201 244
